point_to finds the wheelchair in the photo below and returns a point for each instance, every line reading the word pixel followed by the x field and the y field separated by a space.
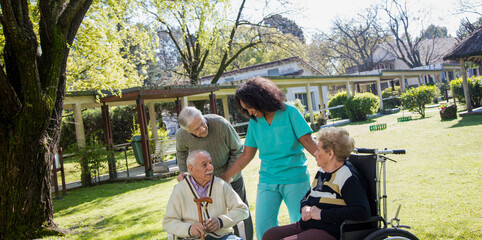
pixel 370 164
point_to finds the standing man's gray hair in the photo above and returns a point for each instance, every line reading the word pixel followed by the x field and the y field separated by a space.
pixel 187 115
pixel 192 156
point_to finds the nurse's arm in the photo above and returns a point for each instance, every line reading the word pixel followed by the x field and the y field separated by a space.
pixel 246 156
pixel 308 142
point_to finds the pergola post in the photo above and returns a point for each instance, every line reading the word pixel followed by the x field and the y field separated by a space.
pixel 178 107
pixel 153 122
pixel 402 83
pixel 79 126
pixel 109 141
pixel 224 98
pixel 466 86
pixel 141 113
pixel 322 103
pixel 185 103
pixel 310 105
pixel 379 93
pixel 213 107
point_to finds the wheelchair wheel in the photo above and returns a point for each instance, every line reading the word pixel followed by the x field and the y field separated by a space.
pixel 391 234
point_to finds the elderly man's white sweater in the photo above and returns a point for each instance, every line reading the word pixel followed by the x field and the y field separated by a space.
pixel 181 211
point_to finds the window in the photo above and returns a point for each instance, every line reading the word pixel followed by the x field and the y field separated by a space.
pixel 304 99
pixel 273 72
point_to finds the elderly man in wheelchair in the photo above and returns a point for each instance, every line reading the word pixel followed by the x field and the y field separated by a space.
pixel 202 205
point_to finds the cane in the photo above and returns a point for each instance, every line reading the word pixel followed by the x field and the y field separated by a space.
pixel 199 202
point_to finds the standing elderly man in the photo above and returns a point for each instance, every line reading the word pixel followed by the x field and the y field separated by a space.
pixel 225 211
pixel 217 136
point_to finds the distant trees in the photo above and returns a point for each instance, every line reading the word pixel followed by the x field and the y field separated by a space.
pixel 355 40
pixel 433 31
pixel 109 51
pixel 195 27
pixel 466 28
pixel 404 45
pixel 285 25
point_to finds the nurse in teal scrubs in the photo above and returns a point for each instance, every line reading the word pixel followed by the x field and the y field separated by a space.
pixel 280 134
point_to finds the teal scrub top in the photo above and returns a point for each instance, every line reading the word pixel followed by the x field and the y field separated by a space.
pixel 281 154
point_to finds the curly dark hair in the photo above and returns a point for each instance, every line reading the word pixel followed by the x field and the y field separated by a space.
pixel 261 94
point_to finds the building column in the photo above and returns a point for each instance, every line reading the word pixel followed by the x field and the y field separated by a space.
pixel 466 86
pixel 402 83
pixel 153 122
pixel 79 126
pixel 379 92
pixel 419 80
pixel 453 74
pixel 224 98
pixel 310 105
pixel 353 89
pixel 348 89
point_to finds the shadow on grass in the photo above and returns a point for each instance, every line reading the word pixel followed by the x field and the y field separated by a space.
pixel 80 196
pixel 118 224
pixel 468 120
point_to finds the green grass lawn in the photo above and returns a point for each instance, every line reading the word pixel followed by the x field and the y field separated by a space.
pixel 438 182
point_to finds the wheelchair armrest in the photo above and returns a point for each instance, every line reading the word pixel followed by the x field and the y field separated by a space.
pixel 369 220
pixel 357 229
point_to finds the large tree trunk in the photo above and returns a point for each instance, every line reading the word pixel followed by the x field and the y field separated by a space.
pixel 33 86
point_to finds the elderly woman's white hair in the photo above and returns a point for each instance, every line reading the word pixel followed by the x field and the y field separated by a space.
pixel 187 115
pixel 193 155
pixel 338 140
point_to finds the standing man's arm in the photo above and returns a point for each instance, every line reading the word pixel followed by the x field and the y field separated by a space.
pixel 182 151
pixel 234 143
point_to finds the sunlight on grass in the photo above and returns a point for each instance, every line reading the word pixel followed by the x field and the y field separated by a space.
pixel 438 183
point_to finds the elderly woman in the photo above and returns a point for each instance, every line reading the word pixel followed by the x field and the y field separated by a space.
pixel 336 194
pixel 280 133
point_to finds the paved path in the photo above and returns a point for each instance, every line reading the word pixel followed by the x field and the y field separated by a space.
pixel 134 173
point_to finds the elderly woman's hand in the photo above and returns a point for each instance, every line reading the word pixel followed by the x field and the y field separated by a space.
pixel 315 213
pixel 306 213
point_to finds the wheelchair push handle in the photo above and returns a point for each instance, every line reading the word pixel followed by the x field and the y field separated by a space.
pixel 368 150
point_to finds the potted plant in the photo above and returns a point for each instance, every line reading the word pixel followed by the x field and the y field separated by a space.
pixel 448 111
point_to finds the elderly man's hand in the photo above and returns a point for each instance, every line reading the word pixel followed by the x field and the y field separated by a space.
pixel 197 230
pixel 181 176
pixel 211 225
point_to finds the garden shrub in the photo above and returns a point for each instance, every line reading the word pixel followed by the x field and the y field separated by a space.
pixel 339 99
pixel 475 90
pixel 391 103
pixel 93 157
pixel 415 99
pixel 298 105
pixel 121 122
pixel 361 105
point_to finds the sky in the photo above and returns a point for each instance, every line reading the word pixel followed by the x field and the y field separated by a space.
pixel 317 15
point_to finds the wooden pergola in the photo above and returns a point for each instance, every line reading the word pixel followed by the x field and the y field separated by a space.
pixel 139 96
pixel 469 49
